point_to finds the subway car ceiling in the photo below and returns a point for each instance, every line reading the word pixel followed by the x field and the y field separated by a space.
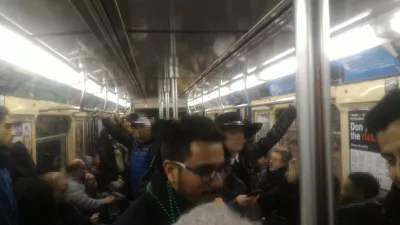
pixel 120 50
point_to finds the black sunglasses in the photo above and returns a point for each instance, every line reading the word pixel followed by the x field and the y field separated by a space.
pixel 206 175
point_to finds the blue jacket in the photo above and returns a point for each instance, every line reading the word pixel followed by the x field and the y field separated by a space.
pixel 8 204
pixel 140 160
pixel 141 153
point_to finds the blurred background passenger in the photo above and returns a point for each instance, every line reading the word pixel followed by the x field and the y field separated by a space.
pixel 76 194
pixel 212 214
pixel 105 167
pixel 9 210
pixel 359 202
pixel 279 197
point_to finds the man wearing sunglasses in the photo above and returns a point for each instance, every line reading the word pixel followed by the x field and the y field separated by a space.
pixel 8 204
pixel 192 172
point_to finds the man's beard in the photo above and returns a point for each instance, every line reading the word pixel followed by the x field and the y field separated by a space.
pixel 204 197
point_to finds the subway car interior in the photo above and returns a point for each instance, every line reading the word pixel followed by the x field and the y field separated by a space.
pixel 66 66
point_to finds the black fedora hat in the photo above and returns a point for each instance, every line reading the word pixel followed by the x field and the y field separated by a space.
pixel 233 119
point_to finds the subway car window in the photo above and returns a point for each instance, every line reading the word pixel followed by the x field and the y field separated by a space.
pixel 51 139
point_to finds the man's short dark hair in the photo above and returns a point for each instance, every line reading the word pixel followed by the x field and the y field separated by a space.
pixel 384 113
pixel 132 117
pixel 191 128
pixel 3 113
pixel 365 183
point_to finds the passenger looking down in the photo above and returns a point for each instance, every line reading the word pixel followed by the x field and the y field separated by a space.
pixel 192 171
pixel 76 194
pixel 383 120
pixel 67 214
pixel 139 143
pixel 359 201
pixel 239 185
pixel 8 203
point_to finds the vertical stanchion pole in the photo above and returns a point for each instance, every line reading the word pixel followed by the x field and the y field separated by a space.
pixel 166 93
pixel 313 111
pixel 160 99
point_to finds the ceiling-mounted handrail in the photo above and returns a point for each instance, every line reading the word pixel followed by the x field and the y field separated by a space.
pixel 83 73
pixel 282 7
pixel 105 83
pixel 259 104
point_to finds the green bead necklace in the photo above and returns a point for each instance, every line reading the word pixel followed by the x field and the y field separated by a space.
pixel 172 202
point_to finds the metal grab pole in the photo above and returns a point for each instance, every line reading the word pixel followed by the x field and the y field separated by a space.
pixel 167 88
pixel 161 99
pixel 313 111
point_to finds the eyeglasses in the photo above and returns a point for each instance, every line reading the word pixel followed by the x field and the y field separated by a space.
pixel 206 175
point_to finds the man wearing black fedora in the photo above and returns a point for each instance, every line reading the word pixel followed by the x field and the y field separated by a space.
pixel 239 184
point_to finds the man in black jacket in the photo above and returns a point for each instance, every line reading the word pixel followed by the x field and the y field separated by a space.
pixel 384 121
pixel 192 171
pixel 360 203
pixel 279 199
pixel 239 184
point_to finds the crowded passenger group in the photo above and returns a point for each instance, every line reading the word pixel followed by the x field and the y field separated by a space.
pixel 189 171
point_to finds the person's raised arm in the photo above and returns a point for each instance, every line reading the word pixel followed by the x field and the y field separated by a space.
pixel 116 133
pixel 277 131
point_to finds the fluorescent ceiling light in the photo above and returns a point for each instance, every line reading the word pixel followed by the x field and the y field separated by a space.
pixel 353 41
pixel 226 91
pixel 224 82
pixel 251 70
pixel 395 22
pixel 238 76
pixel 252 81
pixel 92 87
pixel 350 21
pixel 237 85
pixel 279 56
pixel 279 69
pixel 21 52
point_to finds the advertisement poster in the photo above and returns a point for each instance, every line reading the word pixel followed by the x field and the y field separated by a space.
pixel 23 132
pixel 364 152
pixel 263 117
pixel 78 138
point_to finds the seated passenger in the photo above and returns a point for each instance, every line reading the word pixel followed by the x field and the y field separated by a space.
pixel 67 214
pixel 384 121
pixel 212 214
pixel 359 202
pixel 76 194
pixel 193 167
pixel 279 198
pixel 244 161
pixel 9 210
